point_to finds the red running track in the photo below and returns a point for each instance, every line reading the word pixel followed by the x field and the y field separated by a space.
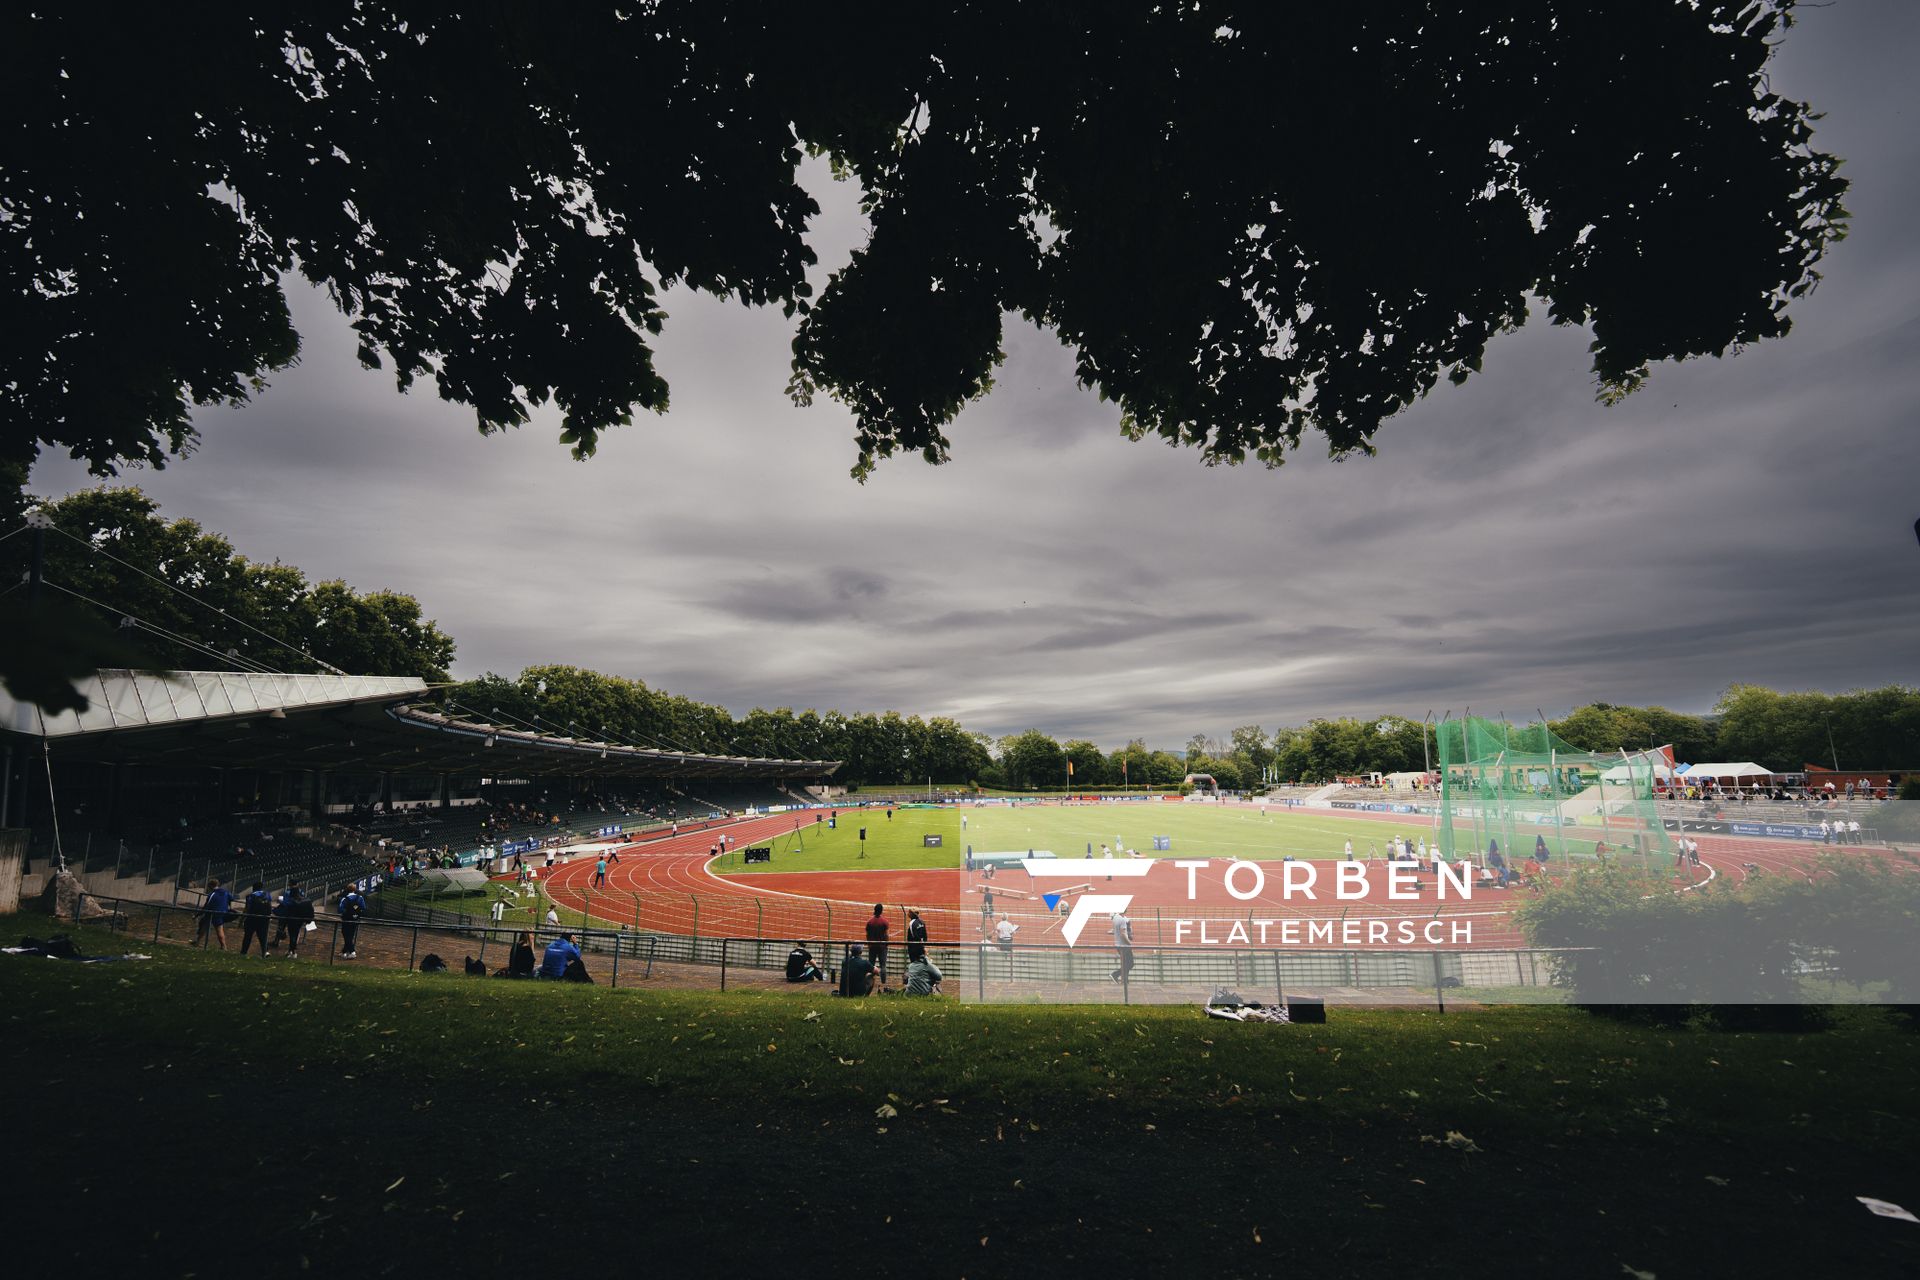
pixel 664 885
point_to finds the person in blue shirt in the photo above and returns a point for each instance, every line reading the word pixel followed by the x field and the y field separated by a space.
pixel 559 954
pixel 351 906
pixel 257 911
pixel 214 913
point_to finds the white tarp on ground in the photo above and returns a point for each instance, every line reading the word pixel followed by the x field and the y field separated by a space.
pixel 1705 772
pixel 458 880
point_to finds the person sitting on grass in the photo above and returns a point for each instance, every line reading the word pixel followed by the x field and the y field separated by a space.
pixel 856 972
pixel 800 966
pixel 923 977
pixel 559 955
pixel 520 961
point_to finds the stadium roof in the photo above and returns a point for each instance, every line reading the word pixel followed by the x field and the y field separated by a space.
pixel 344 724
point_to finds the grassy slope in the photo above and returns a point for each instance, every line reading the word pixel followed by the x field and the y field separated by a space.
pixel 1198 831
pixel 448 1125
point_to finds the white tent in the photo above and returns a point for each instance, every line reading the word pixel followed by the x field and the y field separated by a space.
pixel 1641 765
pixel 1722 772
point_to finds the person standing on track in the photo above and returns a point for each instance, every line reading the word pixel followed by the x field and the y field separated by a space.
pixel 878 927
pixel 600 873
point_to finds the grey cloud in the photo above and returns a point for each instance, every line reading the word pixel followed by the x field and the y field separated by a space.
pixel 1513 545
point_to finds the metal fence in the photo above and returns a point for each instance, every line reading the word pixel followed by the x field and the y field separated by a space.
pixel 613 956
pixel 983 972
pixel 741 915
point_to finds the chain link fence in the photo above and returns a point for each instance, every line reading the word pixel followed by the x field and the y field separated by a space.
pixel 986 972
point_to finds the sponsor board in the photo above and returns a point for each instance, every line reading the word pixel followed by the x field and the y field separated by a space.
pixel 1777 830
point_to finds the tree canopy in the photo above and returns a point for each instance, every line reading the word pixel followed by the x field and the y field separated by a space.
pixel 1249 222
pixel 176 595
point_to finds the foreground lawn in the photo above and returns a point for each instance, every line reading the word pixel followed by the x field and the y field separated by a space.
pixel 196 1114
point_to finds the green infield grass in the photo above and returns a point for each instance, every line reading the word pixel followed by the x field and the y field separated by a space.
pixel 1196 830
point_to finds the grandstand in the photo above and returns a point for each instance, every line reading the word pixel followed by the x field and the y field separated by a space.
pixel 166 779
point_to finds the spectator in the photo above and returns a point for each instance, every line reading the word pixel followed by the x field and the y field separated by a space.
pixel 214 913
pixel 351 907
pixel 800 966
pixel 258 911
pixel 296 912
pixel 878 927
pixel 856 973
pixel 520 959
pixel 283 917
pixel 923 977
pixel 1006 929
pixel 1123 944
pixel 916 935
pixel 559 955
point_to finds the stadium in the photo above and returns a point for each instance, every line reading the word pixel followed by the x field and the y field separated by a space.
pixel 990 640
pixel 725 863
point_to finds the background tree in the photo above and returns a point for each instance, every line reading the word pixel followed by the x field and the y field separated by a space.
pixel 181 597
pixel 1252 749
pixel 1601 726
pixel 1089 763
pixel 1032 759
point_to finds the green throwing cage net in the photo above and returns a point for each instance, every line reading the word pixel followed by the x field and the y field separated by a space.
pixel 1520 789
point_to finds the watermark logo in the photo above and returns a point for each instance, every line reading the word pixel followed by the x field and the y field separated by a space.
pixel 1088 904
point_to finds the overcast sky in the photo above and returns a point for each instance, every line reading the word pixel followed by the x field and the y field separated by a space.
pixel 1514 545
